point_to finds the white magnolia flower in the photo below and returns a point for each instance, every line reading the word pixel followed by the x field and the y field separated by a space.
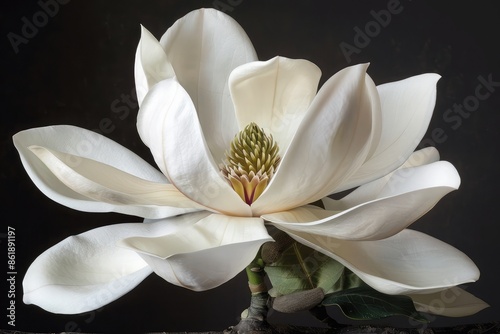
pixel 198 87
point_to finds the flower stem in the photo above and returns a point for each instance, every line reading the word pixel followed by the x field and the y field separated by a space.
pixel 255 272
pixel 254 318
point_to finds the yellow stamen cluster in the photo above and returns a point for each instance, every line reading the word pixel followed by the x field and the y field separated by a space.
pixel 251 162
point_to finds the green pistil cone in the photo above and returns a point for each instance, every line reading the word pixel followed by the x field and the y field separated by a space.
pixel 251 162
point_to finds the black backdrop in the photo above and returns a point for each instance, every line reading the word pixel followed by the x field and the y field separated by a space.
pixel 77 68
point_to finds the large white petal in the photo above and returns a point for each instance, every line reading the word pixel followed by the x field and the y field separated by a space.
pixel 107 184
pixel 331 143
pixel 406 263
pixel 275 94
pixel 453 302
pixel 405 197
pixel 168 123
pixel 204 47
pixel 205 255
pixel 151 64
pixel 85 144
pixel 407 107
pixel 368 191
pixel 87 271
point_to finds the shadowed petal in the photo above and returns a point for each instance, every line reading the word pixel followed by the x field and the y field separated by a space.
pixel 453 302
pixel 406 263
pixel 205 255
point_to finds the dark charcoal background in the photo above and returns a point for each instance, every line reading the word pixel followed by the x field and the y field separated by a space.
pixel 80 62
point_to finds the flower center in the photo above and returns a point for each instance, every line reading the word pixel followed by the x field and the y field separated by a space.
pixel 250 162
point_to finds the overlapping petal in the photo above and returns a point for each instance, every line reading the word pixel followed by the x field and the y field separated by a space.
pixel 81 144
pixel 204 47
pixel 407 107
pixel 107 184
pixel 274 94
pixel 368 191
pixel 207 254
pixel 405 263
pixel 331 142
pixel 405 197
pixel 168 121
pixel 151 64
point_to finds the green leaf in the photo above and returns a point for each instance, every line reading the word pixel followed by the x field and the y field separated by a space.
pixel 302 268
pixel 347 280
pixel 365 303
